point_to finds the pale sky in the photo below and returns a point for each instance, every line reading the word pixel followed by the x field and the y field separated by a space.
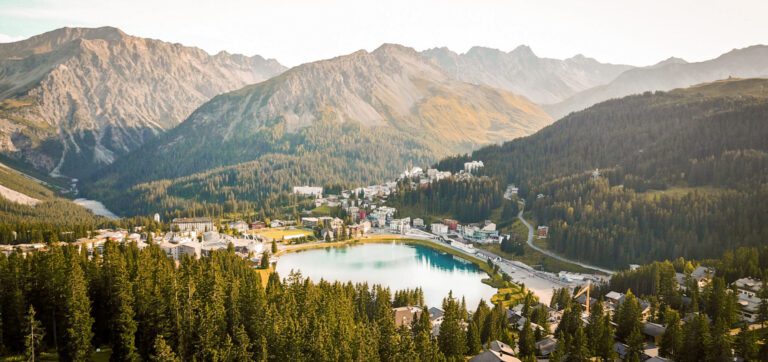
pixel 298 31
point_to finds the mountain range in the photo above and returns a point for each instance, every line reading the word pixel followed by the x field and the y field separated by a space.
pixel 75 99
pixel 749 62
pixel 542 80
pixel 354 118
pixel 121 112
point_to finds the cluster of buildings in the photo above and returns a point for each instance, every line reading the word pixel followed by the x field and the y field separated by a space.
pixel 483 233
pixel 331 227
pixel 473 166
pixel 417 174
pixel 748 293
pixel 511 191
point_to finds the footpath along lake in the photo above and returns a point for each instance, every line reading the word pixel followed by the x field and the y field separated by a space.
pixel 396 265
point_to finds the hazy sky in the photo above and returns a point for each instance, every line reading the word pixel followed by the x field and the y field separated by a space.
pixel 297 31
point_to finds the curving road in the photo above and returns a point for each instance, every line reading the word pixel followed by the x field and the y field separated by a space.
pixel 553 255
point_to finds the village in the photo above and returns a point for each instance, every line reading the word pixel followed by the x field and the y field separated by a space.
pixel 366 215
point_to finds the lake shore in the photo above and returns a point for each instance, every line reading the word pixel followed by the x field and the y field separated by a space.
pixel 494 279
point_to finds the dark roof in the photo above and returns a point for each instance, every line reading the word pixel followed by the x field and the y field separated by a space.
pixel 702 272
pixel 621 349
pixel 435 313
pixel 546 346
pixel 582 299
pixel 653 329
pixel 501 347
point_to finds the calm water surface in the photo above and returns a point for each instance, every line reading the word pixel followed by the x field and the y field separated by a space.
pixel 396 265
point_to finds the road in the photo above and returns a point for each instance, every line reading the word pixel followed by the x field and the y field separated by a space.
pixel 553 255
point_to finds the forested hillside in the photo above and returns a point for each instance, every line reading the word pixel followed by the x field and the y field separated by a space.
pixel 682 173
pixel 30 212
pixel 467 201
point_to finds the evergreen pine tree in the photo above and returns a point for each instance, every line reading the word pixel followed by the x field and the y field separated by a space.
pixel 762 315
pixel 163 352
pixel 578 349
pixel 34 335
pixel 77 330
pixel 122 324
pixel 720 347
pixel 526 342
pixel 452 339
pixel 696 339
pixel 746 345
pixel 672 340
pixel 635 344
pixel 264 264
pixel 628 316
pixel 473 338
pixel 604 347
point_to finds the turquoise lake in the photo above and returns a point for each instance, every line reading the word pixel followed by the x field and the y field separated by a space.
pixel 396 265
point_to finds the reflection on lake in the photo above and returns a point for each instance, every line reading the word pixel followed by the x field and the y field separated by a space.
pixel 396 265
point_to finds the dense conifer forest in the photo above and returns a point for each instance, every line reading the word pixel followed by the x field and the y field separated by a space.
pixel 258 169
pixel 680 173
pixel 143 306
pixel 467 201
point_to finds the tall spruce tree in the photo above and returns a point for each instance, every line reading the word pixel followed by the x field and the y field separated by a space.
pixel 78 321
pixel 452 339
pixel 163 352
pixel 628 316
pixel 526 342
pixel 35 333
pixel 120 291
pixel 672 339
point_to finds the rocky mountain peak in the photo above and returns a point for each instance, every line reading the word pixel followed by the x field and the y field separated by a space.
pixel 77 98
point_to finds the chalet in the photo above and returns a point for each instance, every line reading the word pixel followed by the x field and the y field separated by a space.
pixel 404 316
pixel 496 351
pixel 491 356
pixel 702 276
pixel 546 346
pixel 653 332
pixel 614 299
pixel 196 224
pixel 256 225
pixel 542 232
pixel 582 299
pixel 748 290
pixel 435 315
